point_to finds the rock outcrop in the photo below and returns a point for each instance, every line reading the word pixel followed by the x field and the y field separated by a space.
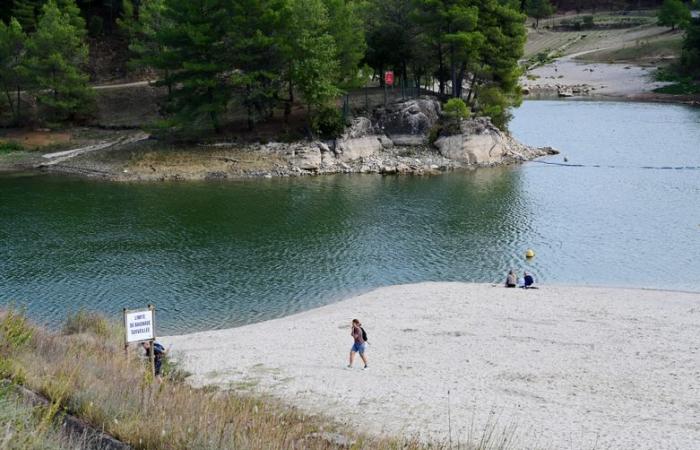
pixel 394 141
pixel 408 122
pixel 479 142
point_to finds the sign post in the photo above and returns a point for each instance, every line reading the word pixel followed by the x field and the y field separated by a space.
pixel 388 81
pixel 140 326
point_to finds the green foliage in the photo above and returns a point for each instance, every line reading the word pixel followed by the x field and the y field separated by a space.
pixel 690 55
pixel 346 27
pixel 15 330
pixel 26 11
pixel 588 21
pixel 327 122
pixel 313 54
pixel 57 55
pixel 193 57
pixel 85 321
pixel 9 147
pixel 13 71
pixel 673 13
pixel 456 108
pixel 494 104
pixel 539 9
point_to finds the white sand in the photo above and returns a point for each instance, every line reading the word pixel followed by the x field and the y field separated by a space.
pixel 570 367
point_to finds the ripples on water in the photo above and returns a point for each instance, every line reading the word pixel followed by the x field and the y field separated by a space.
pixel 213 255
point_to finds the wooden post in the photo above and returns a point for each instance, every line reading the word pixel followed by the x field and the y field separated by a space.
pixel 152 353
pixel 126 343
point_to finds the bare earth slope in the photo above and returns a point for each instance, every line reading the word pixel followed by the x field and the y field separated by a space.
pixel 568 367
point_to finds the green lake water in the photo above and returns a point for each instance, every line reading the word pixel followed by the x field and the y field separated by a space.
pixel 624 211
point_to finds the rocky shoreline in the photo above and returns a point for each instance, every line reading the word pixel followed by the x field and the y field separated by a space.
pixel 409 137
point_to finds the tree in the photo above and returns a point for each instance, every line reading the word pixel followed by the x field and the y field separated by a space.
pixel 313 54
pixel 57 55
pixel 13 71
pixel 25 11
pixel 346 27
pixel 539 9
pixel 193 59
pixel 257 37
pixel 673 13
pixel 690 55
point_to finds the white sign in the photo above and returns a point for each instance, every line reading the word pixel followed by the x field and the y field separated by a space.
pixel 139 325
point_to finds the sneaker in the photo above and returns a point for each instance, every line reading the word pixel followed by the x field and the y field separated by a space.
pixel 349 366
pixel 365 368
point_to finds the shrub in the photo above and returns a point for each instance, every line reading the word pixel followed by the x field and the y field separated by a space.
pixel 494 104
pixel 456 108
pixel 84 321
pixel 9 147
pixel 327 122
pixel 588 21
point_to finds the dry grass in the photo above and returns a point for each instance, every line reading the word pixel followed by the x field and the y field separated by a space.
pixel 26 427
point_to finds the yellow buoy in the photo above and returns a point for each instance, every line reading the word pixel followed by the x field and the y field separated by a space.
pixel 529 253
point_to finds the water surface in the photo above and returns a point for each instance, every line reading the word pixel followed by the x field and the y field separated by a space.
pixel 623 211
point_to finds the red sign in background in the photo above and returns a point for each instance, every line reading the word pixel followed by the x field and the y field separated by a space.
pixel 389 78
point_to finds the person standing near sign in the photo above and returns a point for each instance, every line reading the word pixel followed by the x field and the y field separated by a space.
pixel 158 355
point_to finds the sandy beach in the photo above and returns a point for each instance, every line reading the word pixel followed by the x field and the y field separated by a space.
pixel 558 367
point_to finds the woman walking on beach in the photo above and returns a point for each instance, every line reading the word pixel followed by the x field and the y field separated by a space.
pixel 360 344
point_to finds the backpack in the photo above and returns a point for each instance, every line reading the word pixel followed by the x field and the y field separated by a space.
pixel 364 334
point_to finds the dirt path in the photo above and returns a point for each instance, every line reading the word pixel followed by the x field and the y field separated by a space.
pixel 65 155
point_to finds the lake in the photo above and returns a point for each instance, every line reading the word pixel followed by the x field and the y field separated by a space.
pixel 622 210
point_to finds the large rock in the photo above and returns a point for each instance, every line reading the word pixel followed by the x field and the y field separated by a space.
pixel 408 122
pixel 307 157
pixel 479 142
pixel 356 148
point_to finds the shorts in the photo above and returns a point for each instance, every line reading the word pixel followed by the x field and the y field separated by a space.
pixel 358 347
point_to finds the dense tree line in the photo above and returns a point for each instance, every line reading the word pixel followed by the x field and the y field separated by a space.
pixel 47 63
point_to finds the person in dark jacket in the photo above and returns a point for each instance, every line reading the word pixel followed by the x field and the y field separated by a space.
pixel 158 356
pixel 528 281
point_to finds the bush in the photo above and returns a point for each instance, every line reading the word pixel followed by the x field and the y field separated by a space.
pixel 588 22
pixel 84 321
pixel 9 147
pixel 327 122
pixel 494 104
pixel 455 108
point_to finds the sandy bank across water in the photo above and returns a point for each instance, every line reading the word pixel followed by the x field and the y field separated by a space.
pixel 570 367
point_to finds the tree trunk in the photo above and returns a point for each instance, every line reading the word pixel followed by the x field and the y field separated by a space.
pixel 472 89
pixel 441 71
pixel 460 77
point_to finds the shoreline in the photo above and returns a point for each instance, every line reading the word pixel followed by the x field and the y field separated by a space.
pixel 567 366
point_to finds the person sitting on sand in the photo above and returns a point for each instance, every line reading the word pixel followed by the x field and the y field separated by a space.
pixel 511 279
pixel 360 344
pixel 528 281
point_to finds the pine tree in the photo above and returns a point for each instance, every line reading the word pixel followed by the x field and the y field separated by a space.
pixel 26 11
pixel 257 36
pixel 539 9
pixel 673 13
pixel 313 54
pixel 193 58
pixel 57 55
pixel 13 71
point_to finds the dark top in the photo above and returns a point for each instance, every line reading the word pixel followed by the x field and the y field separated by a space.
pixel 529 280
pixel 356 334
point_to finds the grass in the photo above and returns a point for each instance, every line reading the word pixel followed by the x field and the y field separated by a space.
pixel 639 52
pixel 27 427
pixel 681 85
pixel 10 147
